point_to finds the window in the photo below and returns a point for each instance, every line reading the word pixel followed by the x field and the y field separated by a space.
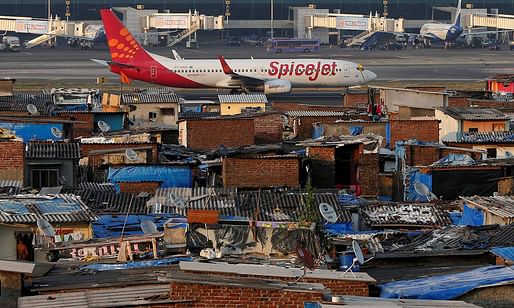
pixel 491 153
pixel 473 130
pixel 168 111
pixel 44 178
pixel 152 116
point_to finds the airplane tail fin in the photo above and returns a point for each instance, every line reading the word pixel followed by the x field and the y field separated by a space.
pixel 123 46
pixel 457 16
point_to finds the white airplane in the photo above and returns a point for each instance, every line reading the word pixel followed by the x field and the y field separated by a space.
pixel 271 76
pixel 443 32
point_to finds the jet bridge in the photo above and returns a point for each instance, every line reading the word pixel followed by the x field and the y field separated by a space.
pixel 499 21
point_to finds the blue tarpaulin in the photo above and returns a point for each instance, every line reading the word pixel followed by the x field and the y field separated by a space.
pixel 169 176
pixel 506 253
pixel 339 228
pixel 447 287
pixel 356 130
pixel 114 120
pixel 138 264
pixel 33 131
pixel 472 217
pixel 112 225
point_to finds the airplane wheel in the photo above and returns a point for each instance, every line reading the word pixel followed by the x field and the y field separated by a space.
pixel 306 50
pixel 279 50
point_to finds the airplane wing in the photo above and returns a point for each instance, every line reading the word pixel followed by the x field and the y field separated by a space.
pixel 247 80
pixel 107 63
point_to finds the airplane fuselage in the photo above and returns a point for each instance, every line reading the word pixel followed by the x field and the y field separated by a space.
pixel 441 32
pixel 317 73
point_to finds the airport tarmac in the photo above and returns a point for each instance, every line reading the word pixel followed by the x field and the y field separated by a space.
pixel 66 66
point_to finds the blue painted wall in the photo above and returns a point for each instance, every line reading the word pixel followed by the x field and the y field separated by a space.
pixel 115 120
pixel 33 131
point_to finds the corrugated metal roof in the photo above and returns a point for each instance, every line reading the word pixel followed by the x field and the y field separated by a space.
pixel 407 214
pixel 223 200
pixel 502 206
pixel 25 209
pixel 19 102
pixel 299 113
pixel 152 294
pixel 270 206
pixel 106 200
pixel 473 114
pixel 504 237
pixel 57 150
pixel 97 186
pixel 11 187
pixel 147 98
pixel 488 137
pixel 242 98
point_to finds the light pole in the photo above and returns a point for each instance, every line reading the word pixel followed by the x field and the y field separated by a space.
pixel 271 35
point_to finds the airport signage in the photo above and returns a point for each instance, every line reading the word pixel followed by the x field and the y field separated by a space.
pixel 31 26
pixel 351 23
pixel 171 22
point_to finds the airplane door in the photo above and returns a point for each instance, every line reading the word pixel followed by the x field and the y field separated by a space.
pixel 153 72
pixel 346 71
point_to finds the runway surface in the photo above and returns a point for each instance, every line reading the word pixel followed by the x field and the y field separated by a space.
pixel 66 66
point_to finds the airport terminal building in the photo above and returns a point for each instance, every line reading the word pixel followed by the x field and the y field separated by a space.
pixel 246 9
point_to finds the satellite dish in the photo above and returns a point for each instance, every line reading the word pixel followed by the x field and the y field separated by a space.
pixel 131 154
pixel 57 132
pixel 328 212
pixel 305 257
pixel 423 191
pixel 359 257
pixel 45 227
pixel 149 227
pixel 177 201
pixel 32 109
pixel 358 252
pixel 508 154
pixel 104 127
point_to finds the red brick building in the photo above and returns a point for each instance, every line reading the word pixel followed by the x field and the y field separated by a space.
pixel 421 130
pixel 205 134
pixel 261 171
pixel 12 160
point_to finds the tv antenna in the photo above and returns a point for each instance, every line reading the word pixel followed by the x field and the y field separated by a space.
pixel 423 191
pixel 56 132
pixel 359 257
pixel 46 229
pixel 103 126
pixel 149 227
pixel 32 109
pixel 131 155
pixel 328 212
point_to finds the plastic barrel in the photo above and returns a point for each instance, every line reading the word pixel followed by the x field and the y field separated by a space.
pixel 346 260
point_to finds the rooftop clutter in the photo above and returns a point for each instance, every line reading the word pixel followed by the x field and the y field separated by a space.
pixel 150 179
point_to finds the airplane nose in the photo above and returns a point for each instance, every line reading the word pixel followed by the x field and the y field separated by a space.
pixel 369 75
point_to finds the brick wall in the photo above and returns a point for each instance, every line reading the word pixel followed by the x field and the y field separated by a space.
pixel 97 160
pixel 482 103
pixel 268 128
pixel 213 296
pixel 458 101
pixel 210 134
pixel 369 167
pixel 261 173
pixel 12 160
pixel 323 166
pixel 287 106
pixel 337 287
pixel 139 187
pixel 80 129
pixel 304 125
pixel 422 155
pixel 421 130
pixel 358 100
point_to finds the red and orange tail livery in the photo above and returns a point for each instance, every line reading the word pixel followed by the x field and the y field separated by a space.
pixel 123 46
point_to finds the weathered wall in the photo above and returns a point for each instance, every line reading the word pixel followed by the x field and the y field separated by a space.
pixel 12 160
pixel 210 134
pixel 261 172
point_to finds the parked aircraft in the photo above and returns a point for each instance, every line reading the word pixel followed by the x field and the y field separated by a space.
pixel 131 61
pixel 443 32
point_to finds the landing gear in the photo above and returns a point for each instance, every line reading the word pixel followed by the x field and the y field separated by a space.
pixel 241 90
